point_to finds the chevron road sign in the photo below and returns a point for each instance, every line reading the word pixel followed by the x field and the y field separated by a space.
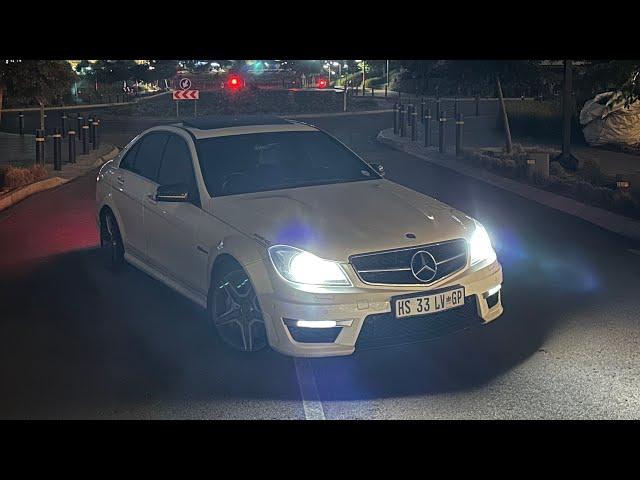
pixel 186 94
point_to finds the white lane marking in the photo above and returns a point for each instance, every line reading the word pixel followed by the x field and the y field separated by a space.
pixel 308 390
pixel 634 251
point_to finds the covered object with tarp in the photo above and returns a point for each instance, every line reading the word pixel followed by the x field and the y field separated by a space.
pixel 606 120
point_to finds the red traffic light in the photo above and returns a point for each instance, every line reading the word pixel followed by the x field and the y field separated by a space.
pixel 322 83
pixel 234 82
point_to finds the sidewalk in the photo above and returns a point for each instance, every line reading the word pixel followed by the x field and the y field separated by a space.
pixel 608 220
pixel 83 165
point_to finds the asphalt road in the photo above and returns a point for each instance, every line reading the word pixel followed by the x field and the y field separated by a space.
pixel 78 341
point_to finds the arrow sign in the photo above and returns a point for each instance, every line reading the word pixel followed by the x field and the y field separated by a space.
pixel 185 83
pixel 186 94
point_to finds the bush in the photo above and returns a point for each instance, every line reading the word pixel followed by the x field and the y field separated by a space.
pixel 13 177
pixel 592 173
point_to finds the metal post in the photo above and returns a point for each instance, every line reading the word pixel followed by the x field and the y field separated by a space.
pixel 91 130
pixel 372 92
pixel 21 123
pixel 399 98
pixel 427 128
pixel 414 123
pixel 40 139
pixel 85 138
pixel 195 108
pixel 57 149
pixel 422 102
pixel 443 120
pixel 566 112
pixel 395 119
pixel 80 120
pixel 402 129
pixel 95 134
pixel 459 125
pixel 456 108
pixel 63 124
pixel 477 105
pixel 385 91
pixel 438 108
pixel 71 140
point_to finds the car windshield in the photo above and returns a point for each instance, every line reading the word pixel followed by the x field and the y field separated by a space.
pixel 271 161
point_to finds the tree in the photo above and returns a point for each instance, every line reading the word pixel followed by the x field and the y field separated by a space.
pixel 44 81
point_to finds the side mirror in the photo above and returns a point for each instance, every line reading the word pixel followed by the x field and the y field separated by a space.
pixel 378 167
pixel 176 192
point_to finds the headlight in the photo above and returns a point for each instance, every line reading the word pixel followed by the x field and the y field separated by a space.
pixel 299 266
pixel 480 246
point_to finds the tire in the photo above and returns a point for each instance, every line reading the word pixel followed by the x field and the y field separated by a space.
pixel 111 241
pixel 234 310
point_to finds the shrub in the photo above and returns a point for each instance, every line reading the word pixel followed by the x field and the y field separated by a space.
pixel 13 177
pixel 556 168
pixel 592 173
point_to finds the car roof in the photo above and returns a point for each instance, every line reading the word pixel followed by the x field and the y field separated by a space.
pixel 225 125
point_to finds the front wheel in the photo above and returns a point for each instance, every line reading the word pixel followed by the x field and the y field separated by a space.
pixel 236 312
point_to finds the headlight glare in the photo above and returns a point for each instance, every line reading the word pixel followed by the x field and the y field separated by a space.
pixel 298 266
pixel 480 246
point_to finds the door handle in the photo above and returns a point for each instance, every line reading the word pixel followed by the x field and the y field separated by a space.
pixel 151 198
pixel 120 179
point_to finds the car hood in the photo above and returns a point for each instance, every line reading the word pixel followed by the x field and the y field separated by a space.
pixel 339 220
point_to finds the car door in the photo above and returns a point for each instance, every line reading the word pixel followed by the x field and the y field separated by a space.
pixel 172 226
pixel 137 181
pixel 128 202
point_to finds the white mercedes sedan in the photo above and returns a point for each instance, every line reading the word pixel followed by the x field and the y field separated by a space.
pixel 290 239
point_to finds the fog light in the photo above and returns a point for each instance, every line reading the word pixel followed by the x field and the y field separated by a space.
pixel 316 323
pixel 493 290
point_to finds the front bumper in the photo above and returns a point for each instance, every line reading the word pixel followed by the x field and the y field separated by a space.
pixel 351 307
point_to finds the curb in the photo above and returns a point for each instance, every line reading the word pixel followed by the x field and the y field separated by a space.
pixel 21 193
pixel 336 114
pixel 613 222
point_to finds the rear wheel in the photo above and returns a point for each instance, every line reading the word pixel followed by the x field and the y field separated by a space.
pixel 111 240
pixel 235 310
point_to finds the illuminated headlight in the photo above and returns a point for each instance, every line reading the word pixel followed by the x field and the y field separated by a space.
pixel 480 246
pixel 298 266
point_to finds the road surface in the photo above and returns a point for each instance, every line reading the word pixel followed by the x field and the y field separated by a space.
pixel 78 341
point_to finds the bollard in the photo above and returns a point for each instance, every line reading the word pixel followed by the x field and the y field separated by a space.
pixel 71 140
pixel 410 109
pixel 372 92
pixel 91 129
pixel 438 108
pixel 363 90
pixel 385 91
pixel 85 139
pixel 422 103
pixel 96 134
pixel 399 98
pixel 57 149
pixel 427 128
pixel 443 120
pixel 395 119
pixel 402 130
pixel 459 126
pixel 540 97
pixel 456 108
pixel 414 124
pixel 21 123
pixel 80 120
pixel 477 105
pixel 63 124
pixel 40 139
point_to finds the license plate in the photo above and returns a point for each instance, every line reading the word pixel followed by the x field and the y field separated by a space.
pixel 422 304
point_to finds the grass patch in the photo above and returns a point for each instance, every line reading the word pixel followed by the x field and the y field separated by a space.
pixel 542 120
